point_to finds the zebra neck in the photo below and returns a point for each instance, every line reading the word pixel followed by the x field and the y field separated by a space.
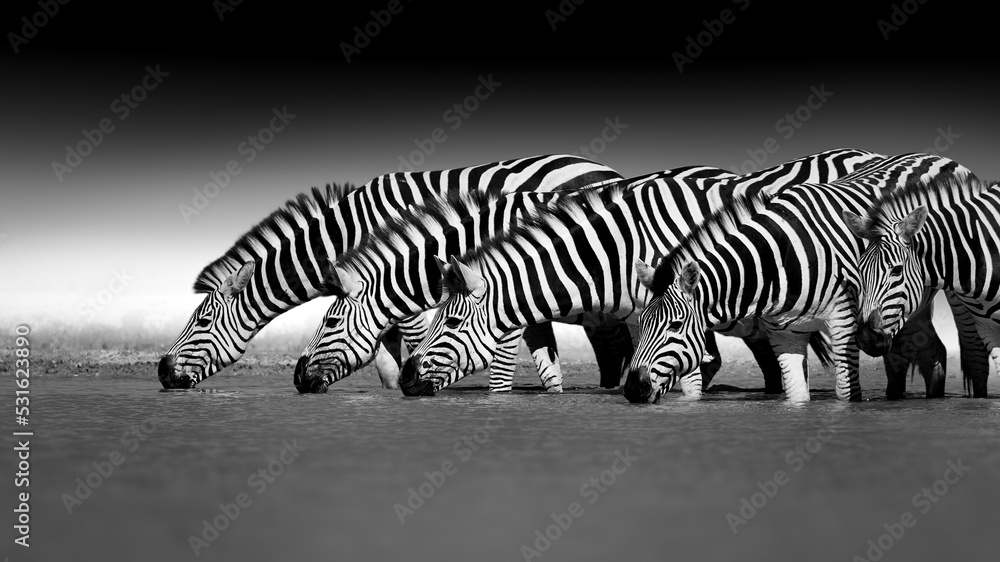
pixel 405 269
pixel 731 289
pixel 960 249
pixel 584 269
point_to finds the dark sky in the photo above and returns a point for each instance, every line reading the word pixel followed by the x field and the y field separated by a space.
pixel 932 80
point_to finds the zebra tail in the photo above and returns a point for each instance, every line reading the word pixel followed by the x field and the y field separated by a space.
pixel 821 346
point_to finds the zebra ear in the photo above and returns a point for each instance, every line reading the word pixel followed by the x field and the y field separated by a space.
pixel 689 277
pixel 646 273
pixel 340 282
pixel 238 281
pixel 468 279
pixel 857 225
pixel 442 266
pixel 447 280
pixel 909 226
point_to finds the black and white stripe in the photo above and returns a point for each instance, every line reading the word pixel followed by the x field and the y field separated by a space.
pixel 938 235
pixel 277 264
pixel 578 258
pixel 789 260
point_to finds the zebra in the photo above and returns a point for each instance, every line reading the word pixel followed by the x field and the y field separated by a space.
pixel 938 235
pixel 275 266
pixel 788 260
pixel 577 258
pixel 387 280
pixel 377 283
pixel 381 281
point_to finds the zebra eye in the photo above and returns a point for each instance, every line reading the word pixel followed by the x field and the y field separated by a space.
pixel 898 270
pixel 333 321
pixel 203 322
pixel 452 322
pixel 675 326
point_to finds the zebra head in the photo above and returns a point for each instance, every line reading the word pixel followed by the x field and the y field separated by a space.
pixel 891 279
pixel 347 338
pixel 461 338
pixel 672 341
pixel 215 336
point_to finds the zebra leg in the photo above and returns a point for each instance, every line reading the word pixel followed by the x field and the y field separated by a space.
pixel 790 348
pixel 975 354
pixel 691 384
pixel 541 343
pixel 989 329
pixel 933 370
pixel 387 366
pixel 916 345
pixel 504 362
pixel 613 348
pixel 907 348
pixel 413 330
pixel 389 355
pixel 843 348
pixel 392 342
pixel 766 358
pixel 708 370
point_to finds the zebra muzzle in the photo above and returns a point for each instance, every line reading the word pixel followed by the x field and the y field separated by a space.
pixel 872 337
pixel 410 381
pixel 638 387
pixel 307 382
pixel 169 376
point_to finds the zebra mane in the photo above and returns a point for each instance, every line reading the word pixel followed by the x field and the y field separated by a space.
pixel 706 235
pixel 266 235
pixel 576 208
pixel 941 190
pixel 417 222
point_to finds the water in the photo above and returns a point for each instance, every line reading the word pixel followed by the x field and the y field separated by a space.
pixel 362 449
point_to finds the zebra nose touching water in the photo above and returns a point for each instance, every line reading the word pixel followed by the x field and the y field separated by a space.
pixel 872 336
pixel 169 377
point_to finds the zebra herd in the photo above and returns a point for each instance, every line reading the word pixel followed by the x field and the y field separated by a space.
pixel 834 251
